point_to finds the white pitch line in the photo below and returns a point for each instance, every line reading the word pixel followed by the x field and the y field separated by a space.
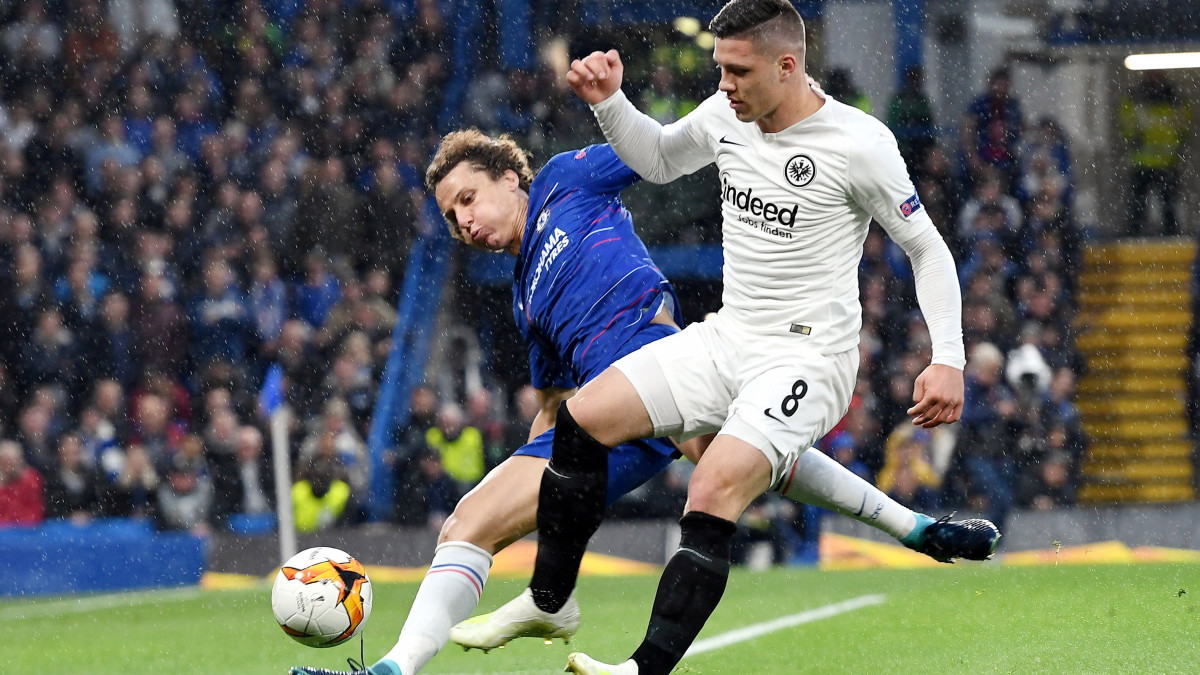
pixel 749 632
pixel 759 629
pixel 32 609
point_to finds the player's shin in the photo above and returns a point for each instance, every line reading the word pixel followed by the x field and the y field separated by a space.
pixel 571 504
pixel 692 584
pixel 448 594
pixel 817 479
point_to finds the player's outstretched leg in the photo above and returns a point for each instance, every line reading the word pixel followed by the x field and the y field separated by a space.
pixel 583 664
pixel 946 540
pixel 815 478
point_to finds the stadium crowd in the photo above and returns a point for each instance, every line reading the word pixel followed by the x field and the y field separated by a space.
pixel 187 197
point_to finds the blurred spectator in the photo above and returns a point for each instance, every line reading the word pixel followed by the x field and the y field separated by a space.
pixel 110 150
pixel 985 443
pixel 910 117
pixel 219 318
pixel 842 447
pixel 459 446
pixel 482 415
pixel 245 485
pixel 99 444
pixel 32 38
pixel 525 408
pixel 991 130
pixel 112 347
pixel 352 382
pixel 327 214
pixel 662 98
pixel 349 446
pixel 134 493
pixel 268 302
pixel 356 311
pixel 410 446
pixel 1049 485
pixel 989 198
pixel 21 501
pixel 185 495
pixel 1046 164
pixel 1156 123
pixel 73 489
pixel 498 102
pixel 321 492
pixel 35 433
pixel 155 431
pixel 51 356
pixel 8 401
pixel 389 218
pixel 319 291
pixel 435 492
pixel 908 475
pixel 160 324
pixel 839 83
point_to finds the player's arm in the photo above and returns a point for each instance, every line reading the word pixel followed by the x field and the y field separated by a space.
pixel 548 401
pixel 658 154
pixel 880 184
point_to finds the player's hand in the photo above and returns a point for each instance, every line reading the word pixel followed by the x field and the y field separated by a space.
pixel 938 394
pixel 596 76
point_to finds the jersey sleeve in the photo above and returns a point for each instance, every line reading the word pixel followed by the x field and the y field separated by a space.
pixel 659 154
pixel 599 170
pixel 546 370
pixel 880 185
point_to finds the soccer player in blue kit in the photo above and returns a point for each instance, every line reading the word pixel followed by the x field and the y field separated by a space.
pixel 585 294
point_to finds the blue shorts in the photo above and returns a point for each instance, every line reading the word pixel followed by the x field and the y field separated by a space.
pixel 629 464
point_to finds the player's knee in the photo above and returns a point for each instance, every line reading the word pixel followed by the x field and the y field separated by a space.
pixel 716 495
pixel 460 526
pixel 583 419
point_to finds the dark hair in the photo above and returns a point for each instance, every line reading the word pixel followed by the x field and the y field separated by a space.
pixel 772 19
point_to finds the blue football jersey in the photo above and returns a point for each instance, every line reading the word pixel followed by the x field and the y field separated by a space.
pixel 584 285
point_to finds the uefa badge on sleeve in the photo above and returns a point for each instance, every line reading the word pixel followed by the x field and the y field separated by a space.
pixel 910 206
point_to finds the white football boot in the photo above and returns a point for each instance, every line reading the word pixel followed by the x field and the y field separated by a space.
pixel 585 665
pixel 519 617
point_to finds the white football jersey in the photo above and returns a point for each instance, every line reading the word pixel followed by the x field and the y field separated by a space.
pixel 795 207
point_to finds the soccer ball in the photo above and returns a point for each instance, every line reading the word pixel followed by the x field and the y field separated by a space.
pixel 321 597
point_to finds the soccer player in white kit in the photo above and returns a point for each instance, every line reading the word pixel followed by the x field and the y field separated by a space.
pixel 802 176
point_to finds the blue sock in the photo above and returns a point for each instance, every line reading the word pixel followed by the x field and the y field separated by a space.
pixel 915 538
pixel 385 667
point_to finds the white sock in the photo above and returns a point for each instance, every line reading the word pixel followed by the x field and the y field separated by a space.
pixel 819 480
pixel 448 594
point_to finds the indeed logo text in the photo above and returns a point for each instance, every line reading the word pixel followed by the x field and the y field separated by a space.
pixel 746 201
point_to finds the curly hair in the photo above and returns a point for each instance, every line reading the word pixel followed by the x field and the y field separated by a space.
pixel 493 156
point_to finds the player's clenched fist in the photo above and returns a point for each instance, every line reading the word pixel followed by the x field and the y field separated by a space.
pixel 596 76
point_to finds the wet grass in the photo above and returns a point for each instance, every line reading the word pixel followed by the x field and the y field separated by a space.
pixel 966 618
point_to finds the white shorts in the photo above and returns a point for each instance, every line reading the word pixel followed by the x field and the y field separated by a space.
pixel 771 392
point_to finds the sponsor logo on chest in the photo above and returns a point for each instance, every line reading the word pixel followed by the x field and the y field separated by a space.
pixel 766 211
pixel 554 245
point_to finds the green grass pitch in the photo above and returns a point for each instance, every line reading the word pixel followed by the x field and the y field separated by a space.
pixel 966 618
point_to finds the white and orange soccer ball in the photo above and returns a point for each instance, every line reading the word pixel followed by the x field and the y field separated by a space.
pixel 321 597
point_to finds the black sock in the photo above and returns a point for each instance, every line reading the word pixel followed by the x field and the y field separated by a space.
pixel 570 507
pixel 691 586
